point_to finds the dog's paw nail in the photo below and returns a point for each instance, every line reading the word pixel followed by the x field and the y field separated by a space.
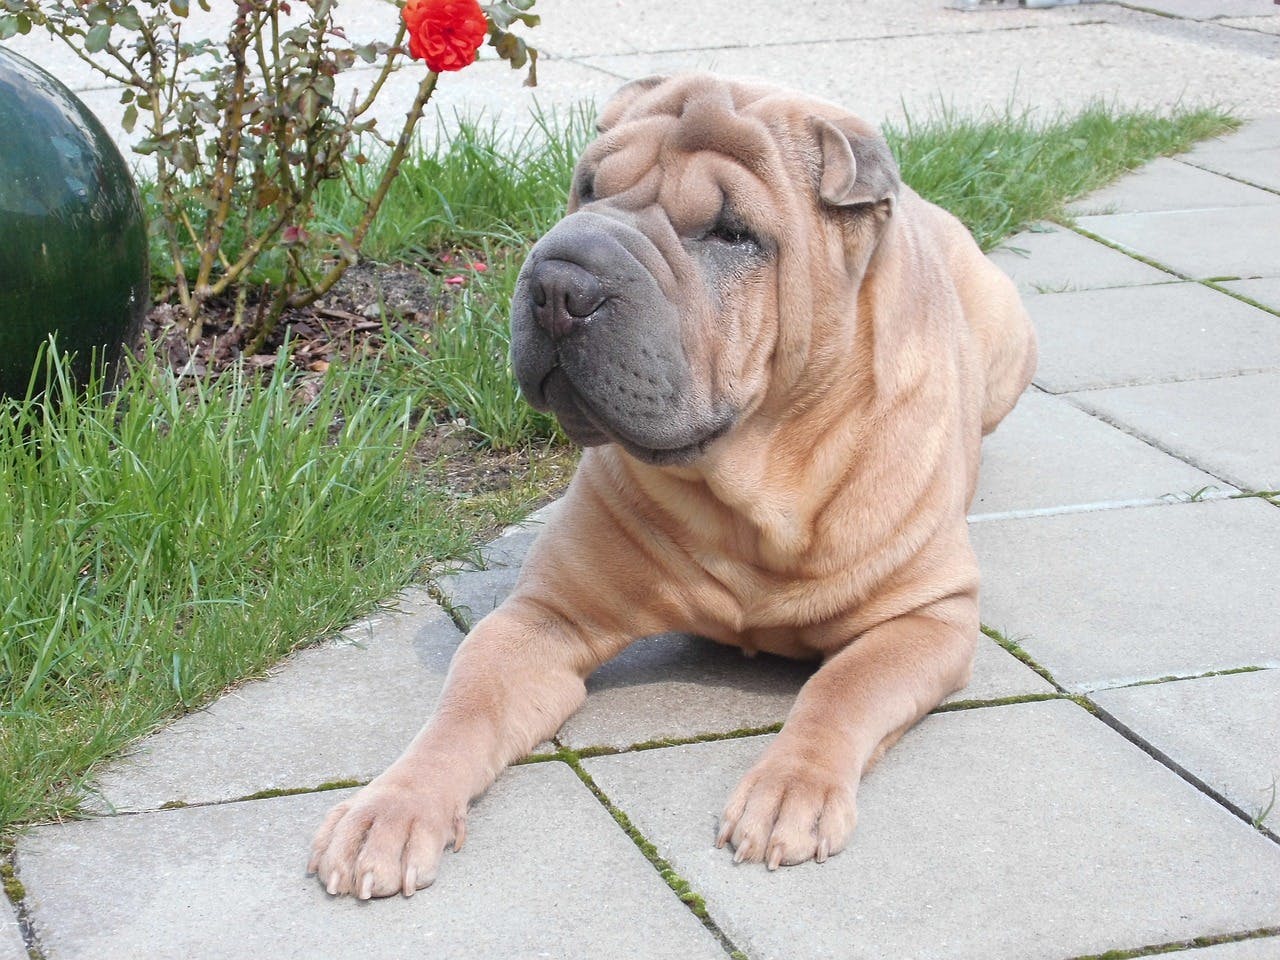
pixel 775 857
pixel 824 850
pixel 410 885
pixel 740 854
pixel 723 836
pixel 331 887
pixel 459 831
pixel 366 886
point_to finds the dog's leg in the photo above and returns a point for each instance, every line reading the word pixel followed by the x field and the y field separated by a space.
pixel 798 801
pixel 585 592
pixel 513 682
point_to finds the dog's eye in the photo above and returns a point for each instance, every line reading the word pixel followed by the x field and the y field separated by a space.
pixel 730 231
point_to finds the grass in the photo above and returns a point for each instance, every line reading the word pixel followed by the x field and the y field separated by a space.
pixel 170 539
pixel 998 173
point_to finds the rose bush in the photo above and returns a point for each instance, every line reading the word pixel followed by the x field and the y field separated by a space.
pixel 244 132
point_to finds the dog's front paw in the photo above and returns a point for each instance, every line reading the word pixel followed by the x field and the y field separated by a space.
pixel 386 839
pixel 786 812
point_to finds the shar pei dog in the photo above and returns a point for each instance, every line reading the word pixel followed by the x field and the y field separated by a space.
pixel 781 362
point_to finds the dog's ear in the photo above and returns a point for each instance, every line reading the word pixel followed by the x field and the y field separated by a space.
pixel 623 97
pixel 857 167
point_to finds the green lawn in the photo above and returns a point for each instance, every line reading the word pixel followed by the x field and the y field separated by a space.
pixel 173 538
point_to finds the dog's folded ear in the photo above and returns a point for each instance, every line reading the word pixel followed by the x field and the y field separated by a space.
pixel 623 97
pixel 857 167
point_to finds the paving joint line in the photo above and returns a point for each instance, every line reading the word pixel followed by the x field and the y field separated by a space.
pixel 1195 378
pixel 442 599
pixel 1217 285
pixel 1178 946
pixel 1232 671
pixel 1138 435
pixel 1168 451
pixel 1015 650
pixel 1167 761
pixel 1211 282
pixel 1164 500
pixel 1190 162
pixel 679 886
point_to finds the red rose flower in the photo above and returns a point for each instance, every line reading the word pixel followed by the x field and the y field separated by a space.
pixel 445 33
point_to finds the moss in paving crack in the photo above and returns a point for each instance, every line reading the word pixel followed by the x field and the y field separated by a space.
pixel 1199 676
pixel 1013 647
pixel 294 791
pixel 461 616
pixel 174 805
pixel 1178 946
pixel 13 888
pixel 1213 285
pixel 661 742
pixel 679 886
pixel 996 702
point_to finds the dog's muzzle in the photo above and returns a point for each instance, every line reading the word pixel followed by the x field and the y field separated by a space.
pixel 597 341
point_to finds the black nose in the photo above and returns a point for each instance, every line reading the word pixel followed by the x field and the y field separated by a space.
pixel 563 295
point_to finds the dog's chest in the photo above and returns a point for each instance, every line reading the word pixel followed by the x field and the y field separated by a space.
pixel 761 610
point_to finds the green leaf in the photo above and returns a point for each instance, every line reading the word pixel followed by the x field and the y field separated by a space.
pixel 130 119
pixel 181 8
pixel 96 39
pixel 129 18
pixel 8 27
pixel 24 24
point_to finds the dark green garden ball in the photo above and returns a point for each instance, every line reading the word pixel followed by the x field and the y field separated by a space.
pixel 73 238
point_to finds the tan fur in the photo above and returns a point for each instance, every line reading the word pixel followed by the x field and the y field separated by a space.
pixel 868 361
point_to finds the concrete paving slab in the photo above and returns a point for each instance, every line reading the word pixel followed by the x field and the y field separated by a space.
pixel 1187 332
pixel 1199 10
pixel 574 29
pixel 227 881
pixel 1265 290
pixel 1053 259
pixel 1226 427
pixel 1168 184
pixel 676 687
pixel 1049 455
pixel 1269 24
pixel 1233 242
pixel 340 711
pixel 1011 831
pixel 472 594
pixel 1113 597
pixel 1256 948
pixel 12 946
pixel 1047 68
pixel 1224 730
pixel 1258 167
pixel 1252 153
pixel 1259 133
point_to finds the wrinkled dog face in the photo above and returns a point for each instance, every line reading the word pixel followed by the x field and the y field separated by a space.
pixel 649 315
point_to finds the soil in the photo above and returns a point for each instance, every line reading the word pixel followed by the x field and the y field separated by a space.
pixel 345 324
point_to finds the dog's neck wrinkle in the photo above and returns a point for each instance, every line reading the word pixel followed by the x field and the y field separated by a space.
pixel 766 510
